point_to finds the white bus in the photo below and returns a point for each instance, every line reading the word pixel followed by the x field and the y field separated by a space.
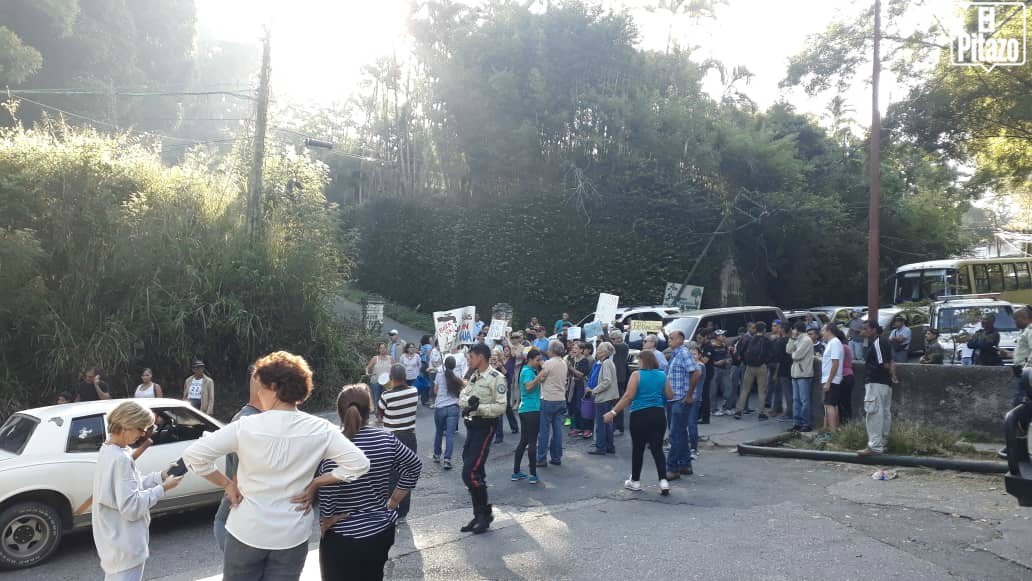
pixel 1008 279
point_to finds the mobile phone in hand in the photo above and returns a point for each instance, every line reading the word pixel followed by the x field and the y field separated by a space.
pixel 178 469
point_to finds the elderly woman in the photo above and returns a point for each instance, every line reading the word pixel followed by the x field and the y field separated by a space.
pixel 279 451
pixel 358 518
pixel 602 387
pixel 647 391
pixel 122 497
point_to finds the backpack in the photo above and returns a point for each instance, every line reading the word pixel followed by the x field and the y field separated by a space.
pixel 756 351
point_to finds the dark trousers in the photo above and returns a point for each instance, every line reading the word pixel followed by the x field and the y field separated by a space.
pixel 479 433
pixel 846 398
pixel 408 438
pixel 358 559
pixel 618 423
pixel 704 413
pixel 246 563
pixel 573 408
pixel 647 428
pixel 531 424
pixel 509 415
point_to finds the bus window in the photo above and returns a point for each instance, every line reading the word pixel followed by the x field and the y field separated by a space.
pixel 1010 277
pixel 995 277
pixel 933 284
pixel 908 286
pixel 981 278
pixel 1024 278
pixel 958 282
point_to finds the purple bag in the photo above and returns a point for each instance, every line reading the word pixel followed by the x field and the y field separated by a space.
pixel 587 408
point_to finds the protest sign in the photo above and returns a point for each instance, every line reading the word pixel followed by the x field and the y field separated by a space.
pixel 647 326
pixel 454 327
pixel 573 333
pixel 605 311
pixel 592 330
pixel 689 300
pixel 497 329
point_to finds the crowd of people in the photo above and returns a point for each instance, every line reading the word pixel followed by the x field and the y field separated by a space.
pixel 282 463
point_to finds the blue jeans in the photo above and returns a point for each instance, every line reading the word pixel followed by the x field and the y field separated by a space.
pixel 603 431
pixel 446 422
pixel 722 387
pixel 376 389
pixel 693 426
pixel 553 413
pixel 859 350
pixel 801 400
pixel 680 455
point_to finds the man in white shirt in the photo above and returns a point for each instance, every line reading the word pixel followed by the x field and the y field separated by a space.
pixel 831 378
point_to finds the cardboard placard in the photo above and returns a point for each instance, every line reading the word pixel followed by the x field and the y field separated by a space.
pixel 605 311
pixel 592 330
pixel 573 333
pixel 647 326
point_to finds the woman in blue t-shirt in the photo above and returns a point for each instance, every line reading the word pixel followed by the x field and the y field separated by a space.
pixel 647 391
pixel 530 417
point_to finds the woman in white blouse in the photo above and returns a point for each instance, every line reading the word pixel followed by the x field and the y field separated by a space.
pixel 148 388
pixel 279 451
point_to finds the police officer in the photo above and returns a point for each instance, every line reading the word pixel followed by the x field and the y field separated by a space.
pixel 482 401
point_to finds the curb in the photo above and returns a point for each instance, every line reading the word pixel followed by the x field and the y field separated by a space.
pixel 763 447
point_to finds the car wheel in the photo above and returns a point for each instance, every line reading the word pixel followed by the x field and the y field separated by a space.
pixel 29 534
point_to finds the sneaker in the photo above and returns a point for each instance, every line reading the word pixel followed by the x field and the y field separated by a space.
pixel 762 417
pixel 738 416
pixel 541 464
pixel 515 430
pixel 868 452
pixel 673 475
pixel 498 440
pixel 718 413
pixel 749 412
pixel 517 476
pixel 687 471
pixel 805 429
pixel 533 479
pixel 664 486
pixel 597 452
pixel 610 450
pixel 575 433
pixel 586 434
pixel 556 462
pixel 695 454
pixel 567 422
pixel 401 520
pixel 447 464
pixel 633 485
pixel 437 458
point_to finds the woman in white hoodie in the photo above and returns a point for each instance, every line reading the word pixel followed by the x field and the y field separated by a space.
pixel 122 497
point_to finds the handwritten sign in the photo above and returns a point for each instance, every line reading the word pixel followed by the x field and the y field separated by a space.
pixel 573 333
pixel 605 311
pixel 592 330
pixel 647 326
pixel 454 327
pixel 497 329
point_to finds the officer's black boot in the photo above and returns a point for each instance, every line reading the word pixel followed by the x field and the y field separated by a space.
pixel 473 523
pixel 484 520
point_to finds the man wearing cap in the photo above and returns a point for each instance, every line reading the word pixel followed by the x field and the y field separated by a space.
pixel 395 346
pixel 199 389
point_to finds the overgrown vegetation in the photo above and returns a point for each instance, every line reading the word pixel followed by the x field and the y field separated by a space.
pixel 110 258
pixel 907 438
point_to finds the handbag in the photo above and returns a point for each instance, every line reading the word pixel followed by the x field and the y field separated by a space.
pixel 587 407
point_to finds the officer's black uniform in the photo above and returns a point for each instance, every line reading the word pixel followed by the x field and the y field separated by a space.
pixel 482 401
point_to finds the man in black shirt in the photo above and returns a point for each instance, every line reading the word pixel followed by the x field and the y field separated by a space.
pixel 621 355
pixel 93 388
pixel 880 373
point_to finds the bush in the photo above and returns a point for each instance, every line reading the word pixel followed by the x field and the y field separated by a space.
pixel 111 259
pixel 906 438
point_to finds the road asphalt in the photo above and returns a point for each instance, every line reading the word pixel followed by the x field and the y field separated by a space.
pixel 736 518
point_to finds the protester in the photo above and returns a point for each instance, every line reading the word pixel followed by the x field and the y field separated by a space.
pixel 986 342
pixel 379 365
pixel 738 360
pixel 578 368
pixel 800 347
pixel 647 391
pixel 650 343
pixel 694 418
pixel 831 379
pixel 934 353
pixel 758 352
pixel 252 407
pixel 848 380
pixel 899 338
pixel 396 412
pixel 482 400
pixel 279 449
pixel 530 418
pixel 542 340
pixel 967 354
pixel 818 345
pixel 199 389
pixel 357 519
pixel 122 497
pixel 148 388
pixel 552 379
pixel 447 387
pixel 811 323
pixel 1022 351
pixel 562 324
pixel 781 398
pixel 621 357
pixel 425 383
pixel 723 387
pixel 880 373
pixel 395 346
pixel 856 337
pixel 65 397
pixel 684 374
pixel 411 363
pixel 603 390
pixel 497 362
pixel 478 325
pixel 92 388
pixel 701 354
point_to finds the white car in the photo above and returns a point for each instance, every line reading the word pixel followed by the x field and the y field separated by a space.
pixel 957 318
pixel 47 458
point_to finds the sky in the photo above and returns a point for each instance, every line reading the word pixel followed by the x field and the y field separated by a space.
pixel 320 46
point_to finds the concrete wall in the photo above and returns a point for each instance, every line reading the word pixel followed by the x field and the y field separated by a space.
pixel 966 399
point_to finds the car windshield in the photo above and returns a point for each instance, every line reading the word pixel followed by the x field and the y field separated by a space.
pixel 952 320
pixel 16 432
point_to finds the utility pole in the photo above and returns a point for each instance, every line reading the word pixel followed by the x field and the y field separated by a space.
pixel 874 238
pixel 254 180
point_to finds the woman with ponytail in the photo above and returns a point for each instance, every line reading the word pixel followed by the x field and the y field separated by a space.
pixel 447 387
pixel 358 519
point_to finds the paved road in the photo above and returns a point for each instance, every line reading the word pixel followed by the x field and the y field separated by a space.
pixel 737 518
pixel 354 311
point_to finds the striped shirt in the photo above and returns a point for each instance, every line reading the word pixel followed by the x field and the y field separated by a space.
pixel 399 407
pixel 366 497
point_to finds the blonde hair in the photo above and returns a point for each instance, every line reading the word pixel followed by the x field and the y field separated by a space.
pixel 605 348
pixel 129 416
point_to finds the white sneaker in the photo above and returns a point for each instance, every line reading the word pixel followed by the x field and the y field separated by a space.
pixel 695 454
pixel 634 485
pixel 718 413
pixel 664 486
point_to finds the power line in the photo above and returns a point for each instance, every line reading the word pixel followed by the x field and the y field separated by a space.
pixel 132 93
